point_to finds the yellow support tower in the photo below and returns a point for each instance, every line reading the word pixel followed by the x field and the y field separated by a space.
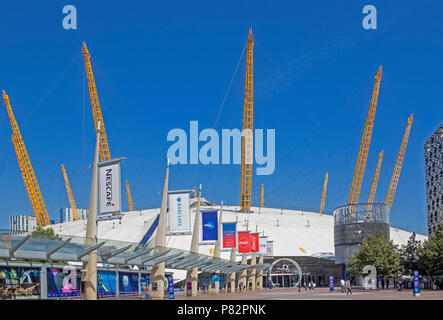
pixel 262 201
pixel 95 106
pixel 70 196
pixel 130 203
pixel 247 138
pixel 323 195
pixel 398 164
pixel 375 180
pixel 31 184
pixel 364 145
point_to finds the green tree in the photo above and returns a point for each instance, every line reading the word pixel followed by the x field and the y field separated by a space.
pixel 48 233
pixel 431 254
pixel 376 251
pixel 410 256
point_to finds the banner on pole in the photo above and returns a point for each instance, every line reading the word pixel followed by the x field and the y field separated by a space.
pixel 243 242
pixel 109 186
pixel 270 248
pixel 253 241
pixel 262 243
pixel 209 225
pixel 179 215
pixel 229 235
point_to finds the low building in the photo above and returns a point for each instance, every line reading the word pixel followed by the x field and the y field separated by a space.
pixel 22 223
pixel 434 179
pixel 66 214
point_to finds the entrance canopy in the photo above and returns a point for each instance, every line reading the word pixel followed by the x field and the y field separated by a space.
pixel 76 249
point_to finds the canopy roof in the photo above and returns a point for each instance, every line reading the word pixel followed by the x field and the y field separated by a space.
pixel 76 249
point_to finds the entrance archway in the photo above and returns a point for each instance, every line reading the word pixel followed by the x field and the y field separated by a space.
pixel 284 272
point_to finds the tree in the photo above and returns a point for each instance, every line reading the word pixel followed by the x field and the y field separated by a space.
pixel 376 251
pixel 431 254
pixel 410 256
pixel 48 233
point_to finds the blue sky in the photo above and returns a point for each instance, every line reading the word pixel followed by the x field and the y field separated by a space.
pixel 160 64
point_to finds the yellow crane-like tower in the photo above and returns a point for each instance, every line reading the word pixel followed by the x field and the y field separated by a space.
pixel 70 195
pixel 262 194
pixel 323 195
pixel 365 142
pixel 375 179
pixel 247 138
pixel 95 106
pixel 128 191
pixel 398 164
pixel 31 184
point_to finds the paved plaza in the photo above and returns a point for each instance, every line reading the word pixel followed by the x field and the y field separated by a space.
pixel 318 294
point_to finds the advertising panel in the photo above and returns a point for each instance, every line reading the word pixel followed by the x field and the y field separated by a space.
pixel 56 289
pixel 171 287
pixel 243 242
pixel 19 282
pixel 144 281
pixel 229 235
pixel 253 241
pixel 106 283
pixel 128 283
pixel 179 215
pixel 109 187
pixel 262 243
pixel 209 225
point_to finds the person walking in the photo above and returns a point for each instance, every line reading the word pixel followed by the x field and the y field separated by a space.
pixel 342 285
pixel 310 285
pixel 270 285
pixel 313 286
pixel 348 287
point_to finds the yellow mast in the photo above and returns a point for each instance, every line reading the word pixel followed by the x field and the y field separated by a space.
pixel 262 201
pixel 128 191
pixel 375 179
pixel 323 195
pixel 31 184
pixel 70 195
pixel 398 164
pixel 95 106
pixel 247 139
pixel 364 145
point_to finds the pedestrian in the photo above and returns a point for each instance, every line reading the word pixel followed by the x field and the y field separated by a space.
pixel 387 284
pixel 310 285
pixel 270 285
pixel 313 286
pixel 383 284
pixel 147 295
pixel 342 285
pixel 348 287
pixel 304 285
pixel 299 286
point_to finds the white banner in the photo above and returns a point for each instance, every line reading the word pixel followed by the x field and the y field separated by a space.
pixel 263 248
pixel 179 215
pixel 109 188
pixel 270 248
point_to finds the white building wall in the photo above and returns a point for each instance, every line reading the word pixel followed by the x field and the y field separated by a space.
pixel 66 214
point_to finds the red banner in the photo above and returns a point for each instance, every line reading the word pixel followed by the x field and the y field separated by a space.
pixel 253 242
pixel 243 242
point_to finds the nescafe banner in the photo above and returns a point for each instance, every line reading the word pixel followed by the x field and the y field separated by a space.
pixel 253 241
pixel 243 242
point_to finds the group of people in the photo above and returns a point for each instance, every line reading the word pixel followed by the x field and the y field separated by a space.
pixel 346 286
pixel 309 285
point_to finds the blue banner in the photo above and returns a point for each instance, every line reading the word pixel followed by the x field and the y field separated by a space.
pixel 171 287
pixel 210 226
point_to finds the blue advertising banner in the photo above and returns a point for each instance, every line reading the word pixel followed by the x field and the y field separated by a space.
pixel 331 283
pixel 209 225
pixel 416 282
pixel 171 287
pixel 229 235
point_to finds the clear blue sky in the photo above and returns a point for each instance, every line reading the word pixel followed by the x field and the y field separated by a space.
pixel 160 64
